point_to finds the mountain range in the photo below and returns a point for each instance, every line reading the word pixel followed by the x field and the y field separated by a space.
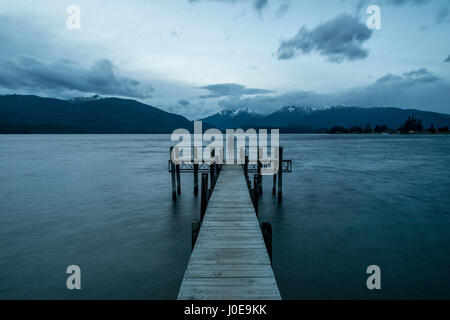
pixel 309 119
pixel 33 114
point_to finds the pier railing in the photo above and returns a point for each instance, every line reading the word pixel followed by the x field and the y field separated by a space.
pixel 254 167
pixel 189 167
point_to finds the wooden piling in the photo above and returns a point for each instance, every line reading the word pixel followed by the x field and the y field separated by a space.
pixel 246 167
pixel 195 178
pixel 260 177
pixel 255 192
pixel 178 179
pixel 204 196
pixel 274 188
pixel 266 229
pixel 217 171
pixel 280 174
pixel 212 174
pixel 172 174
pixel 195 230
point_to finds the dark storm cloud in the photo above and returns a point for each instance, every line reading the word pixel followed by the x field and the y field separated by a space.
pixel 260 4
pixel 283 8
pixel 414 89
pixel 230 90
pixel 64 75
pixel 443 15
pixel 183 102
pixel 338 39
pixel 420 76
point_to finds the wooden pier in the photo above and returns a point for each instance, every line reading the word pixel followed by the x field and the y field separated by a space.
pixel 231 259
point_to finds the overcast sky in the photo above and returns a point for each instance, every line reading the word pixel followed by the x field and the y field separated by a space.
pixel 196 57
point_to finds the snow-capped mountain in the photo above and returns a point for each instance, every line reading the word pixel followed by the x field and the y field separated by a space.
pixel 86 99
pixel 236 113
pixel 244 117
pixel 307 118
pixel 233 118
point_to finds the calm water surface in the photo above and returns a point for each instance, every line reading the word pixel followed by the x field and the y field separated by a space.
pixel 103 202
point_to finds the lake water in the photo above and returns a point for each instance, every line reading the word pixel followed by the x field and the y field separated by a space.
pixel 103 202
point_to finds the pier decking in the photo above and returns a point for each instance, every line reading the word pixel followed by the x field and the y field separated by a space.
pixel 229 260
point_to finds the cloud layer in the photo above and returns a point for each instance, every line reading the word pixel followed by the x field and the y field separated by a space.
pixel 230 90
pixel 413 89
pixel 63 75
pixel 338 39
pixel 183 48
pixel 183 102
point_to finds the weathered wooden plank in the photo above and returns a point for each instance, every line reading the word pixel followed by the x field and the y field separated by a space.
pixel 229 212
pixel 224 231
pixel 230 290
pixel 230 224
pixel 222 259
pixel 231 270
pixel 242 217
pixel 231 237
pixel 238 236
pixel 216 297
pixel 229 207
pixel 234 281
pixel 229 260
pixel 231 245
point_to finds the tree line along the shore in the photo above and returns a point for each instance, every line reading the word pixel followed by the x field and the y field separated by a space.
pixel 411 125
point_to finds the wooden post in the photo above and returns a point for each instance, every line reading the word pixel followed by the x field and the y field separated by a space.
pixel 266 229
pixel 211 172
pixel 246 167
pixel 172 174
pixel 274 189
pixel 280 174
pixel 195 230
pixel 212 167
pixel 195 178
pixel 217 172
pixel 204 196
pixel 255 192
pixel 178 179
pixel 260 177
